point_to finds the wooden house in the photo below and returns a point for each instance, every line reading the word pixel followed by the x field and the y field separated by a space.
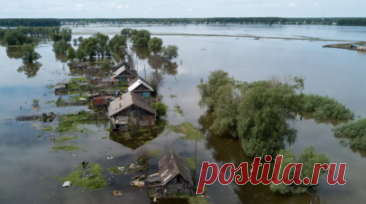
pixel 124 75
pixel 140 87
pixel 127 105
pixel 119 65
pixel 173 178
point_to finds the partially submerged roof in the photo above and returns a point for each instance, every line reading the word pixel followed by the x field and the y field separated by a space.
pixel 122 69
pixel 169 167
pixel 136 82
pixel 60 85
pixel 128 99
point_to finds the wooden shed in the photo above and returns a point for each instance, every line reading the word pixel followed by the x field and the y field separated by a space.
pixel 99 102
pixel 173 178
pixel 131 104
pixel 140 87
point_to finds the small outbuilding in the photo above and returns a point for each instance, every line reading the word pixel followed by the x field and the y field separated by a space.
pixel 173 178
pixel 99 102
pixel 127 105
pixel 140 87
pixel 60 88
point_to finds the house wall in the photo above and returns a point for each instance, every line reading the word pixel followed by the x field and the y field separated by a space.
pixel 143 118
pixel 142 89
pixel 176 186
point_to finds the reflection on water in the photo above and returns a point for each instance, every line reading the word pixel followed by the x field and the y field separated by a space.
pixel 14 52
pixel 62 57
pixel 332 121
pixel 30 69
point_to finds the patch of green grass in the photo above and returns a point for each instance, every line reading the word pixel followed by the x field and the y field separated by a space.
pixel 187 129
pixel 47 128
pixel 67 148
pixel 50 86
pixel 355 131
pixel 173 96
pixel 78 79
pixel 70 122
pixel 39 136
pixel 104 138
pixel 155 153
pixel 67 138
pixel 324 107
pixel 142 130
pixel 76 98
pixel 115 171
pixel 178 109
pixel 49 102
pixel 94 181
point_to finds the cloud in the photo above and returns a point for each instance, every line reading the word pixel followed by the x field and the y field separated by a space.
pixel 316 4
pixel 291 4
pixel 189 10
pixel 127 6
pixel 150 9
pixel 79 6
pixel 119 6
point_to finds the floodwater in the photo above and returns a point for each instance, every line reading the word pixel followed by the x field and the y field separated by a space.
pixel 29 169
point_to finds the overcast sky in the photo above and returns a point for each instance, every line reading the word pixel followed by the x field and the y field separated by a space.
pixel 180 8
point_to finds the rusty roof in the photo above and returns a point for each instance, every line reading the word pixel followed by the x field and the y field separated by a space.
pixel 98 101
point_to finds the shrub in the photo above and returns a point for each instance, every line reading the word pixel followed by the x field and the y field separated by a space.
pixel 324 107
pixel 355 131
pixel 161 108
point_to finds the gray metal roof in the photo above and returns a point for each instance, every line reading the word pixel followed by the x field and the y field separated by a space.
pixel 126 100
pixel 122 69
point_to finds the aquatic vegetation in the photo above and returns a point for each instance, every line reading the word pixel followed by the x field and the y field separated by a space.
pixel 46 128
pixel 80 79
pixel 308 158
pixel 155 153
pixel 67 148
pixel 178 109
pixel 93 180
pixel 324 107
pixel 39 136
pixel 116 171
pixel 104 138
pixel 49 102
pixel 197 200
pixel 75 98
pixel 355 131
pixel 187 129
pixel 67 138
pixel 70 122
pixel 35 102
pixel 173 96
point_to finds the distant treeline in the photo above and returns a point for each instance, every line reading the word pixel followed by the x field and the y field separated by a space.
pixel 251 20
pixel 42 22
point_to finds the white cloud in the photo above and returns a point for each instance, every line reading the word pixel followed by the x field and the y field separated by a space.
pixel 150 9
pixel 119 6
pixel 291 4
pixel 79 6
pixel 189 10
pixel 127 6
pixel 316 4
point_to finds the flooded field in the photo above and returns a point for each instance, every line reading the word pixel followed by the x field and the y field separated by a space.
pixel 31 169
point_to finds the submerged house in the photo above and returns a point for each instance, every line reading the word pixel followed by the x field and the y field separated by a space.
pixel 173 178
pixel 140 87
pixel 60 88
pixel 124 74
pixel 127 105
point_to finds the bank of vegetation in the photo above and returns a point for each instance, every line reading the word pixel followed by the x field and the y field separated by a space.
pixel 354 131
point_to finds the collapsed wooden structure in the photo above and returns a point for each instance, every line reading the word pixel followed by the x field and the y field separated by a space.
pixel 173 178
pixel 44 116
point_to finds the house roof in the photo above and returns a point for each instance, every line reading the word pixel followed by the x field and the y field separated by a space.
pixel 170 166
pixel 60 85
pixel 136 82
pixel 122 69
pixel 128 99
pixel 98 101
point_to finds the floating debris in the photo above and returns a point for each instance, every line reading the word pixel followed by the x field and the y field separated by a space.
pixel 117 193
pixel 67 184
pixel 109 158
pixel 137 183
pixel 121 168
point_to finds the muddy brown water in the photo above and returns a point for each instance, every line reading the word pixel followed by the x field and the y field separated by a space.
pixel 29 169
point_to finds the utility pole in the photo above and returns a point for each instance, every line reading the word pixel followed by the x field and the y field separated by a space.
pixel 145 71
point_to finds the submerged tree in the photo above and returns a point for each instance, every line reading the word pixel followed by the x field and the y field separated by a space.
pixel 101 44
pixel 170 52
pixel 208 90
pixel 262 117
pixel 29 54
pixel 140 38
pixel 308 158
pixel 71 53
pixel 89 46
pixel 60 46
pixel 80 54
pixel 155 45
pixel 30 69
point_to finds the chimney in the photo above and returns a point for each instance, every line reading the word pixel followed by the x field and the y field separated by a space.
pixel 120 105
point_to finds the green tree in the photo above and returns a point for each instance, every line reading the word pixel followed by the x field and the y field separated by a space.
pixel 60 46
pixel 208 90
pixel 170 52
pixel 308 158
pixel 161 108
pixel 89 46
pixel 140 38
pixel 102 44
pixel 80 54
pixel 71 55
pixel 118 42
pixel 66 34
pixel 125 32
pixel 155 45
pixel 29 54
pixel 80 39
pixel 262 117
